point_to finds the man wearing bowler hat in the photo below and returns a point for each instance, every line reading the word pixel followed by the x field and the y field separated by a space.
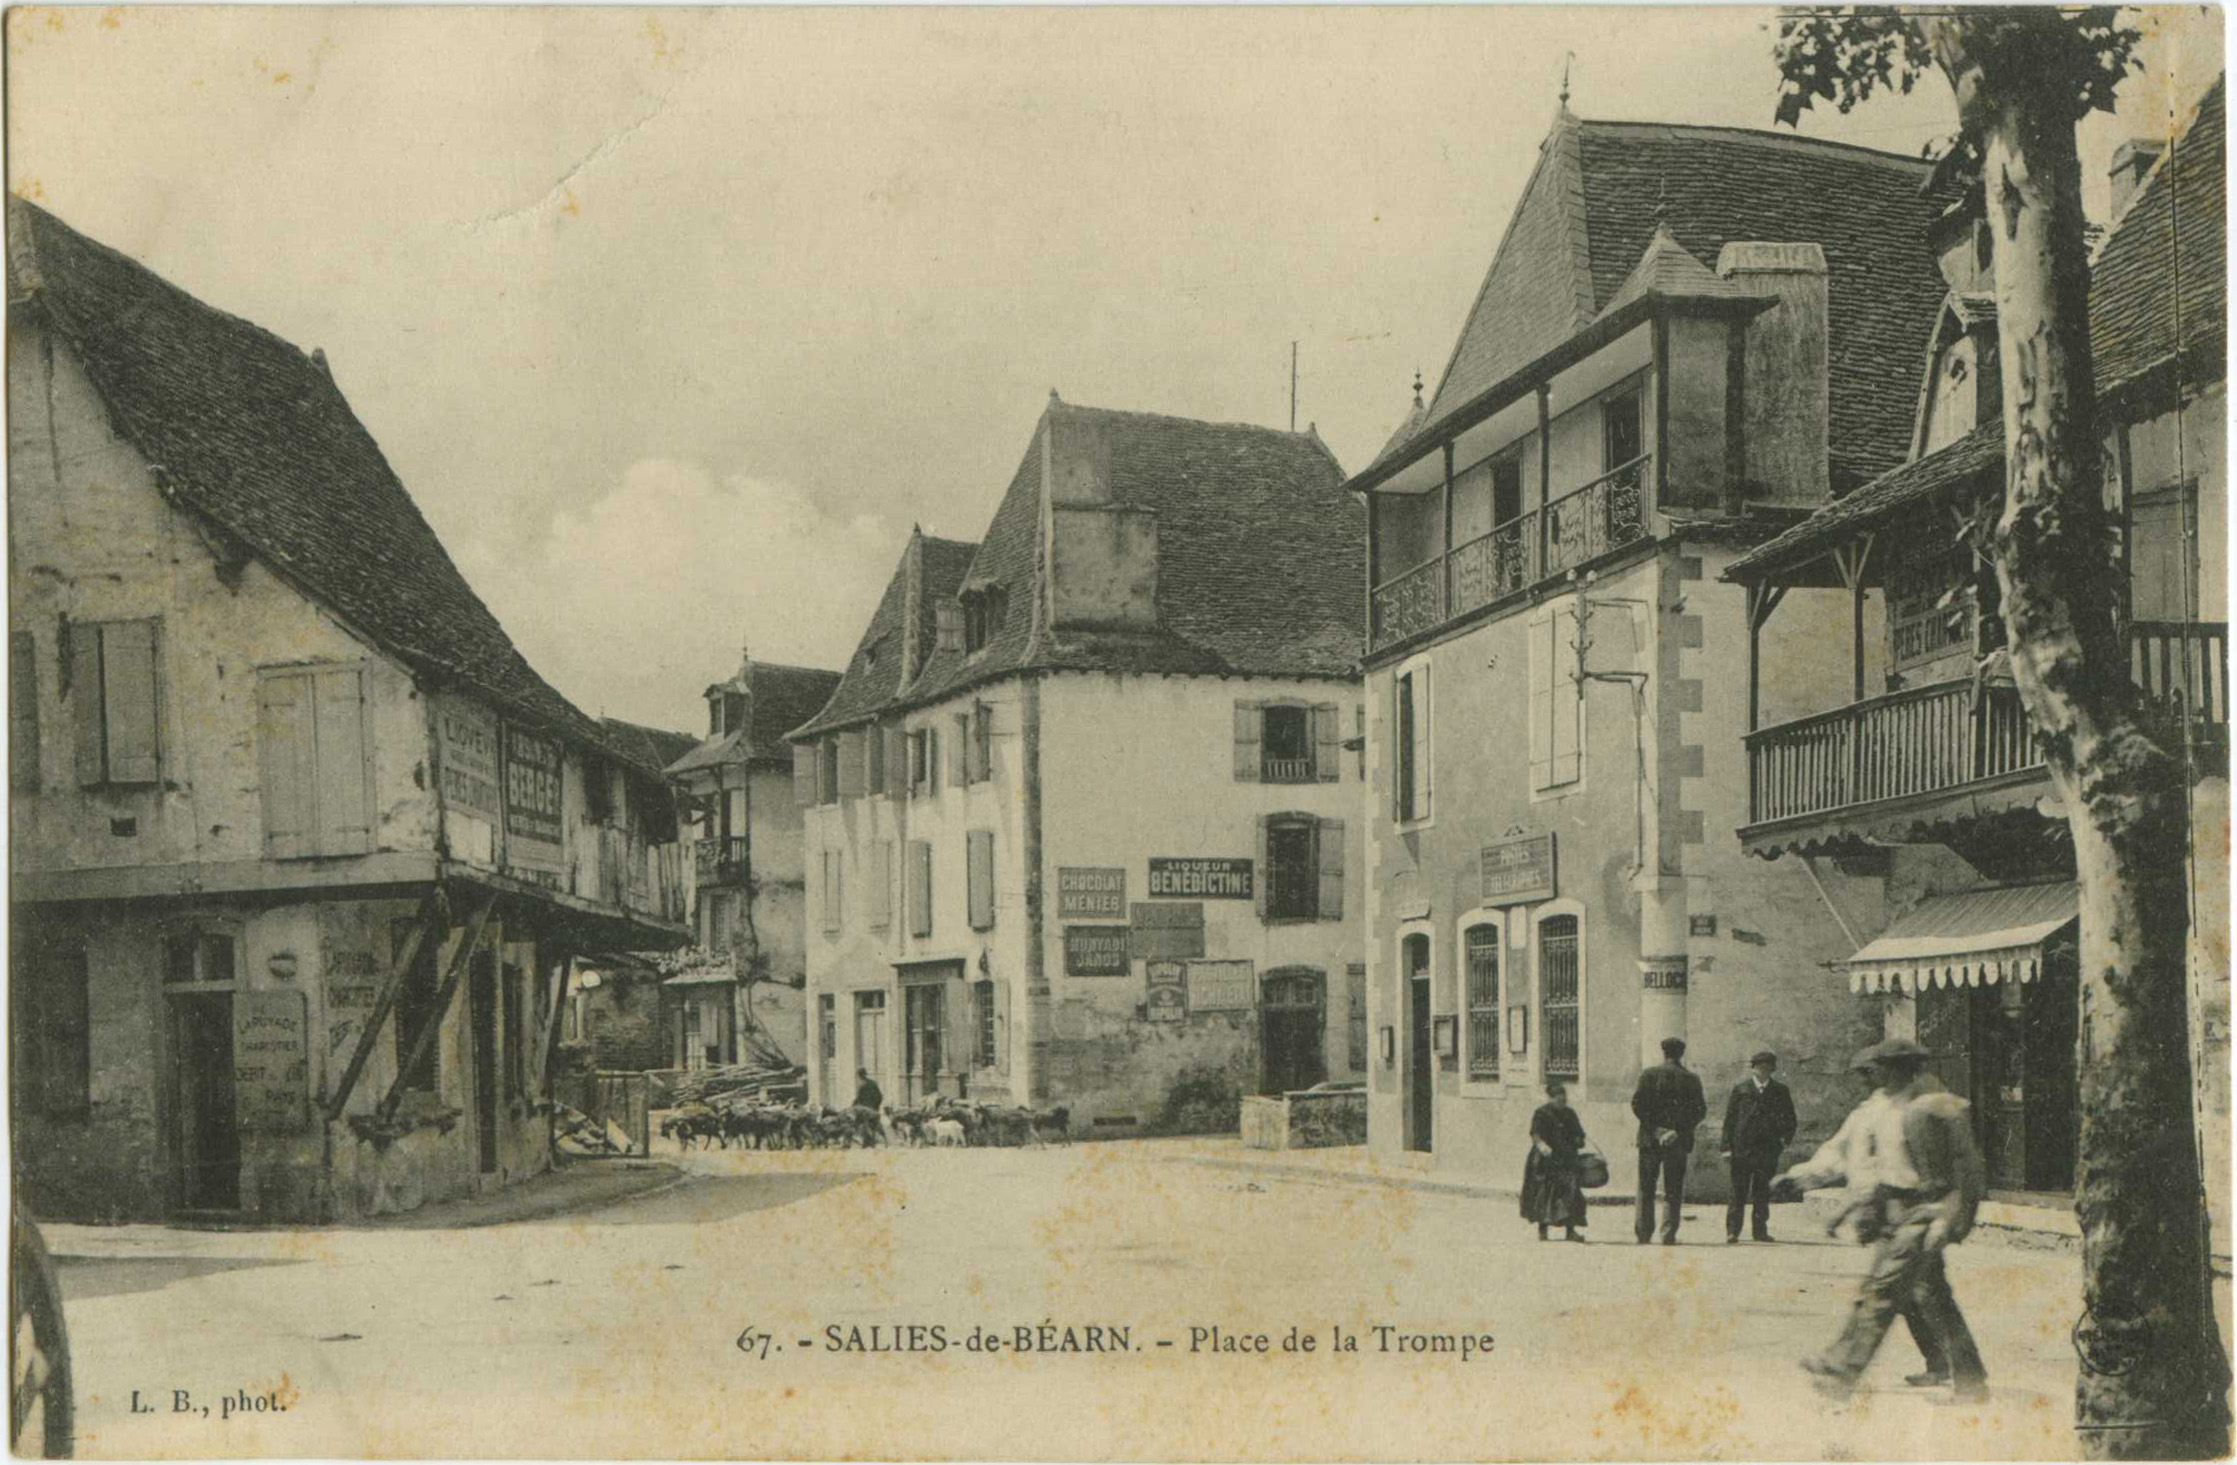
pixel 1758 1125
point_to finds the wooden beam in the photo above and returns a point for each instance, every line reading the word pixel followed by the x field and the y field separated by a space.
pixel 1545 475
pixel 430 911
pixel 1851 559
pixel 558 1009
pixel 425 1038
pixel 1763 598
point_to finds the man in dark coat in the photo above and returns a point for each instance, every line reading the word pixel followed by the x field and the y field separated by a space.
pixel 1758 1124
pixel 867 1094
pixel 1670 1105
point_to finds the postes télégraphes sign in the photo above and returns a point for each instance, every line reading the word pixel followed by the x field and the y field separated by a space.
pixel 1519 870
pixel 271 1061
pixel 1095 951
pixel 532 788
pixel 1091 891
pixel 1215 878
pixel 468 758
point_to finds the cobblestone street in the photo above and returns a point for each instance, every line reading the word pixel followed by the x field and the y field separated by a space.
pixel 618 1330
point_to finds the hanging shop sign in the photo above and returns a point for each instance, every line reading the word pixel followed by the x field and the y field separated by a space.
pixel 1219 986
pixel 271 1061
pixel 1516 871
pixel 1092 892
pixel 466 758
pixel 533 784
pixel 1095 951
pixel 1213 878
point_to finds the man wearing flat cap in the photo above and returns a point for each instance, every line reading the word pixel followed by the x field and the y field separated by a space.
pixel 1758 1125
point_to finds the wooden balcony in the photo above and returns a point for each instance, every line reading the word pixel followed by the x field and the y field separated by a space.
pixel 1286 770
pixel 720 860
pixel 1543 544
pixel 1904 752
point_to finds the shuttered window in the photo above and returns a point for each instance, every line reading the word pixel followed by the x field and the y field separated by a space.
pixel 1480 948
pixel 114 700
pixel 1410 744
pixel 1355 986
pixel 1558 961
pixel 827 771
pixel 920 888
pixel 1301 868
pixel 979 861
pixel 23 712
pixel 804 774
pixel 316 762
pixel 1555 709
pixel 896 761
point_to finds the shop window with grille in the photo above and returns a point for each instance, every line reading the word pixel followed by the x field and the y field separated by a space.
pixel 1482 952
pixel 982 1011
pixel 1558 993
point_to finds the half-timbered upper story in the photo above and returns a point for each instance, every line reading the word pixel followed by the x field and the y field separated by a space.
pixel 1932 743
pixel 240 659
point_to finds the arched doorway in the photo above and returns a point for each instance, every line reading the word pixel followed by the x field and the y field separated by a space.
pixel 1292 1030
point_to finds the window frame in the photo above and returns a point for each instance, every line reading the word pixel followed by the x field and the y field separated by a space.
pixel 1309 879
pixel 1554 910
pixel 1495 919
pixel 982 1024
pixel 96 742
pixel 1303 712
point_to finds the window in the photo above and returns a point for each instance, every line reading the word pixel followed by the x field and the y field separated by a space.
pixel 316 762
pixel 924 762
pixel 982 617
pixel 827 771
pixel 1355 986
pixel 878 912
pixel 1556 711
pixel 1480 948
pixel 978 850
pixel 982 1017
pixel 920 888
pixel 1623 435
pixel 1506 488
pixel 1288 745
pixel 112 685
pixel 734 711
pixel 833 895
pixel 415 1004
pixel 852 754
pixel 23 712
pixel 1302 861
pixel 51 1024
pixel 827 1009
pixel 1558 965
pixel 1410 765
pixel 1287 742
pixel 598 790
pixel 198 958
pixel 947 626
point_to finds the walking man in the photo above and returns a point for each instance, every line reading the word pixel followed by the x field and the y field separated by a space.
pixel 1758 1124
pixel 1670 1106
pixel 1929 1178
pixel 867 1094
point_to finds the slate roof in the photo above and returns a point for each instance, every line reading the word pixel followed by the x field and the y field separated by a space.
pixel 1979 451
pixel 647 747
pixel 781 698
pixel 1261 556
pixel 254 436
pixel 1668 271
pixel 871 683
pixel 2178 218
pixel 1593 204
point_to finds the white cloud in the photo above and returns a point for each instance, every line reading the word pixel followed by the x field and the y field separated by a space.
pixel 632 605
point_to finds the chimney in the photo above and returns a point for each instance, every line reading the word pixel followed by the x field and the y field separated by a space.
pixel 1102 554
pixel 2131 161
pixel 1786 389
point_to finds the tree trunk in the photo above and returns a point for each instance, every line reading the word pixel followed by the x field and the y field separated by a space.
pixel 2154 1381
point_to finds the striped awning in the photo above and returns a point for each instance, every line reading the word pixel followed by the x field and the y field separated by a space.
pixel 1970 939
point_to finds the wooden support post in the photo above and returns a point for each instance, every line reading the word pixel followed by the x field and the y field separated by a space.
pixel 1851 560
pixel 1545 474
pixel 425 1038
pixel 1763 598
pixel 430 912
pixel 558 1010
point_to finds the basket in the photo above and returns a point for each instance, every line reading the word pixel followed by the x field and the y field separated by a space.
pixel 1592 1170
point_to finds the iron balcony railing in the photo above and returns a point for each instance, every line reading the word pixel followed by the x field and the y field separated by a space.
pixel 1543 544
pixel 719 859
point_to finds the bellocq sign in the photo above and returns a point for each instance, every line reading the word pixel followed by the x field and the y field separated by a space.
pixel 1212 878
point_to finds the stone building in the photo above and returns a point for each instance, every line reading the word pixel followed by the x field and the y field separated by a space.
pixel 1687 338
pixel 1919 765
pixel 300 844
pixel 749 959
pixel 1084 830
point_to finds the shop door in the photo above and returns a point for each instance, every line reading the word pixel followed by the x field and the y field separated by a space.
pixel 2054 1114
pixel 1420 1092
pixel 869 1033
pixel 926 1016
pixel 1293 1021
pixel 481 1004
pixel 207 1138
pixel 827 1039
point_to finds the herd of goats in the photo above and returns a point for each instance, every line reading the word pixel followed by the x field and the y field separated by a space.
pixel 800 1126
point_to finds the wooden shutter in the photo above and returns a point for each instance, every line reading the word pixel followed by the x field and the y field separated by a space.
pixel 1425 712
pixel 85 695
pixel 896 760
pixel 879 910
pixel 1249 720
pixel 982 740
pixel 1331 852
pixel 920 888
pixel 1328 741
pixel 959 754
pixel 959 1043
pixel 287 740
pixel 1002 1027
pixel 804 775
pixel 1401 747
pixel 1567 706
pixel 343 817
pixel 834 897
pixel 979 858
pixel 1263 882
pixel 931 759
pixel 128 697
pixel 1541 702
pixel 851 777
pixel 23 711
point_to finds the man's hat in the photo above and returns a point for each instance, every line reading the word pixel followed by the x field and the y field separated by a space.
pixel 1898 1049
pixel 1862 1062
pixel 1764 1059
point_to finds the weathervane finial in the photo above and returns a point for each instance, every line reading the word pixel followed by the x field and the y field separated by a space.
pixel 1567 58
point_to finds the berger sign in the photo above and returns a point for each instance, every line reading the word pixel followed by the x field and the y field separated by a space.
pixel 1209 879
pixel 1519 870
pixel 532 788
pixel 1095 951
pixel 1090 891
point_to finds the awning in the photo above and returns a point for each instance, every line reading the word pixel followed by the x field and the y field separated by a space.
pixel 705 977
pixel 1970 939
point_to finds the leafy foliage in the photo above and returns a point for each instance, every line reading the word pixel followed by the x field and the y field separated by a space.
pixel 1844 54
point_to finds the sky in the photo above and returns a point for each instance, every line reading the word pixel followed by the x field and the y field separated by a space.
pixel 674 322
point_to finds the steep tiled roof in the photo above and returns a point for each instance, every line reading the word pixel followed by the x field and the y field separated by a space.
pixel 1668 271
pixel 1591 208
pixel 2174 232
pixel 871 683
pixel 648 747
pixel 247 431
pixel 1979 451
pixel 1261 556
pixel 1416 415
pixel 783 698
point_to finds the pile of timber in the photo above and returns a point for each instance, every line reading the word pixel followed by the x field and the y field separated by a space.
pixel 772 1083
pixel 579 1134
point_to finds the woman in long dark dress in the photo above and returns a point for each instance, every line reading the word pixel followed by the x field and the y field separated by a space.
pixel 1551 1195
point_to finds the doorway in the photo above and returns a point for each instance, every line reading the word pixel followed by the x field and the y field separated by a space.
pixel 2008 1048
pixel 926 1015
pixel 481 1002
pixel 1293 1023
pixel 869 1033
pixel 1421 1105
pixel 206 1137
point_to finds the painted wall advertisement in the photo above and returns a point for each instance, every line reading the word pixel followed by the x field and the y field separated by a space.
pixel 1219 986
pixel 1211 878
pixel 1090 892
pixel 533 784
pixel 271 1061
pixel 466 758
pixel 1167 930
pixel 1095 951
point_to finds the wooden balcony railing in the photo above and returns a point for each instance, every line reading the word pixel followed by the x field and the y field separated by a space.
pixel 720 859
pixel 1286 770
pixel 1543 544
pixel 1925 740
